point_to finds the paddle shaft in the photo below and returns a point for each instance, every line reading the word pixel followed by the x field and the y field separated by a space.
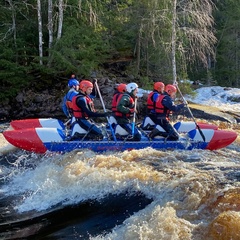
pixel 134 116
pixel 99 93
pixel 199 129
pixel 89 130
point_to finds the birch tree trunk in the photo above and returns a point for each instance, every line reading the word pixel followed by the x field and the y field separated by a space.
pixel 13 22
pixel 40 34
pixel 173 43
pixel 60 19
pixel 50 23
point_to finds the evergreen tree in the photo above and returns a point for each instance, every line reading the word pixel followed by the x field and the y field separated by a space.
pixel 227 68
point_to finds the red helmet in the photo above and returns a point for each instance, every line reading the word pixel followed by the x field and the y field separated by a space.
pixel 121 87
pixel 158 86
pixel 170 89
pixel 84 85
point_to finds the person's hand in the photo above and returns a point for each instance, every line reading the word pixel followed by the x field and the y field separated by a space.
pixel 182 105
pixel 184 101
pixel 107 114
pixel 132 110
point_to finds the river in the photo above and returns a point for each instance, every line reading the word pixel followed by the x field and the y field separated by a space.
pixel 144 194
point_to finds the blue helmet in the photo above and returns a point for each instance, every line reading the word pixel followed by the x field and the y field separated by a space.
pixel 73 82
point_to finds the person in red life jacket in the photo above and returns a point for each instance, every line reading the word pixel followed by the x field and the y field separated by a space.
pixel 125 110
pixel 83 110
pixel 158 88
pixel 119 90
pixel 73 84
pixel 163 107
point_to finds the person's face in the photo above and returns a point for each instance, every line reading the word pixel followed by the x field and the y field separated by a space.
pixel 135 92
pixel 77 87
pixel 172 95
pixel 161 90
pixel 89 90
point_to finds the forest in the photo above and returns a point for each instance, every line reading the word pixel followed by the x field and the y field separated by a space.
pixel 44 41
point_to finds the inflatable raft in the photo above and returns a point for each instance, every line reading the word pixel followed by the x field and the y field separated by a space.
pixel 42 135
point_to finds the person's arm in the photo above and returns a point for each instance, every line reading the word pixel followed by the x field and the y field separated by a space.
pixel 123 105
pixel 81 103
pixel 155 96
pixel 168 103
pixel 64 106
pixel 71 94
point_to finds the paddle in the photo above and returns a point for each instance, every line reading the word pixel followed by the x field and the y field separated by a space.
pixel 134 116
pixel 99 93
pixel 89 130
pixel 67 122
pixel 184 100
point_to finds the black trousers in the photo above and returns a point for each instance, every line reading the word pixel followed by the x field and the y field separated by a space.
pixel 171 133
pixel 88 125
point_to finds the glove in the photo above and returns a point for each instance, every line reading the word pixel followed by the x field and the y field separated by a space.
pixel 107 114
pixel 182 105
pixel 184 101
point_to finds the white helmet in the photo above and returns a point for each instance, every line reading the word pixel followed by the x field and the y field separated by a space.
pixel 131 87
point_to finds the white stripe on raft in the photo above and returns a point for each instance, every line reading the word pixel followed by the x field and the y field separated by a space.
pixel 51 122
pixel 184 126
pixel 50 134
pixel 208 134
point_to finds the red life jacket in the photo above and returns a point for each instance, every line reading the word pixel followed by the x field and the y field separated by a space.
pixel 115 100
pixel 130 105
pixel 159 108
pixel 68 102
pixel 150 102
pixel 77 112
pixel 69 106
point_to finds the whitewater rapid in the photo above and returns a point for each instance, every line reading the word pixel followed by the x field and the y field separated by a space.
pixel 194 194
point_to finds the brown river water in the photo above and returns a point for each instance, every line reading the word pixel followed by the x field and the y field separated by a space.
pixel 141 194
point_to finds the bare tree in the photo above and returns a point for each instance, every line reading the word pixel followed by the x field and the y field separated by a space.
pixel 182 29
pixel 192 31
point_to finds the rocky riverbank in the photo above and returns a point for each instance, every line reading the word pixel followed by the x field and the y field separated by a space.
pixel 47 103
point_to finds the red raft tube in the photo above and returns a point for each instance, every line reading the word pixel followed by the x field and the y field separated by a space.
pixel 33 139
pixel 216 139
